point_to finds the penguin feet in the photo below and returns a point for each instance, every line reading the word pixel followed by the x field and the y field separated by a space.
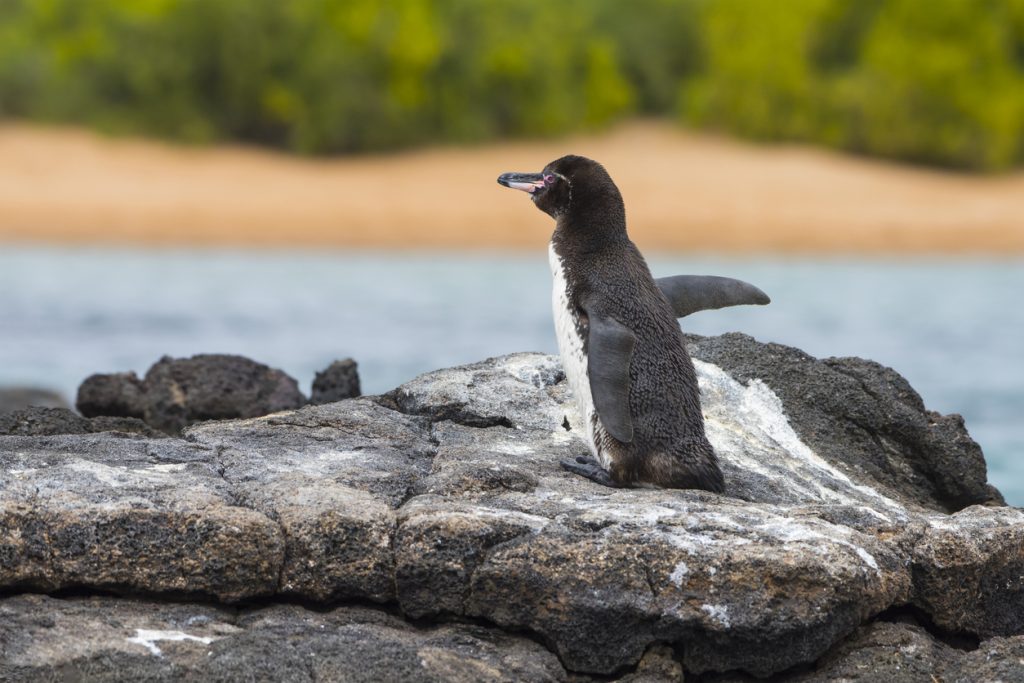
pixel 586 466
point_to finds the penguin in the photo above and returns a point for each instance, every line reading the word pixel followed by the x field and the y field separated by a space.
pixel 622 349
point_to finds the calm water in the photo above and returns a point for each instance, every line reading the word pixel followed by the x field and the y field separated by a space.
pixel 955 329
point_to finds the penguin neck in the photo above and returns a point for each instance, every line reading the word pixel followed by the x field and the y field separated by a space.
pixel 590 227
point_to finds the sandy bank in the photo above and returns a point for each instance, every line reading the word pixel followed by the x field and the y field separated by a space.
pixel 682 190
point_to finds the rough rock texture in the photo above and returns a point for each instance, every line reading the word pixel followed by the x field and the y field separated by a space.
pixel 905 652
pixel 118 394
pixel 19 398
pixel 38 421
pixel 443 501
pixel 865 418
pixel 339 381
pixel 178 392
pixel 130 640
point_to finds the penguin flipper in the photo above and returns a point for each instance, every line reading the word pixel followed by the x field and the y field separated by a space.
pixel 691 293
pixel 609 353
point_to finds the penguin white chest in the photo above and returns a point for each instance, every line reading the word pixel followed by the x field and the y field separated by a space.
pixel 570 348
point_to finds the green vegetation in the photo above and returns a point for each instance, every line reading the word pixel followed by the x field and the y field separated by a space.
pixel 939 82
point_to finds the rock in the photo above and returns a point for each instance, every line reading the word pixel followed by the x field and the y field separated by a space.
pixel 524 390
pixel 908 653
pixel 19 398
pixel 658 665
pixel 49 421
pixel 339 381
pixel 119 394
pixel 864 419
pixel 178 392
pixel 183 391
pixel 131 515
pixel 444 502
pixel 969 571
pixel 132 640
pixel 42 421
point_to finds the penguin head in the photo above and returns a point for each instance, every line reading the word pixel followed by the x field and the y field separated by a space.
pixel 565 185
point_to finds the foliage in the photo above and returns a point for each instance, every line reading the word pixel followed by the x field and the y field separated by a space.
pixel 940 82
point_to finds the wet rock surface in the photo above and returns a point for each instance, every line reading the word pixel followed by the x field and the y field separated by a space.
pixel 442 502
pixel 177 392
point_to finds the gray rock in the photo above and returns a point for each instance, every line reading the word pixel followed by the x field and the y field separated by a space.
pixel 445 501
pixel 19 398
pixel 105 639
pixel 521 390
pixel 130 515
pixel 339 381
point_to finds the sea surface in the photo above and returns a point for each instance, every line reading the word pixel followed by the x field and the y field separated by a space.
pixel 953 328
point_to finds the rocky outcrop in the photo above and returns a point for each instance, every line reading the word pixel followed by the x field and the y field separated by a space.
pixel 116 394
pixel 178 392
pixel 865 419
pixel 442 502
pixel 340 380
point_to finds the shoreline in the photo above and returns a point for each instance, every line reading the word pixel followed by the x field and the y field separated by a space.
pixel 684 192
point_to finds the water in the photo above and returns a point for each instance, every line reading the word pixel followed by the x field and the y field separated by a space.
pixel 954 329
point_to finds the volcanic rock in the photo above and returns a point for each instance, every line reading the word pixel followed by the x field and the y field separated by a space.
pixel 339 381
pixel 442 502
pixel 178 392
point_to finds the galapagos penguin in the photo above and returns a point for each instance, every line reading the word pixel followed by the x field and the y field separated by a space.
pixel 621 347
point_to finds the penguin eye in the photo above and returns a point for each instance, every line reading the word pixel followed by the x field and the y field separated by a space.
pixel 549 179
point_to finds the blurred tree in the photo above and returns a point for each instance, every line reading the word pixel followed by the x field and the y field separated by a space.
pixel 939 82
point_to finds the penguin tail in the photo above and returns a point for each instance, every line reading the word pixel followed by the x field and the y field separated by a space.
pixel 696 467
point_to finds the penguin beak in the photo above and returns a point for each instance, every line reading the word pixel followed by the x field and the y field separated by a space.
pixel 527 182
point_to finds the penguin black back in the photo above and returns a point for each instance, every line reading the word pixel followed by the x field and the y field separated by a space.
pixel 640 390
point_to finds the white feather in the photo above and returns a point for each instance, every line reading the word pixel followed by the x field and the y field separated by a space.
pixel 570 347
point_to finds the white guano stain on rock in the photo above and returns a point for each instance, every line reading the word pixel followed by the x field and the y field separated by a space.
pixel 678 575
pixel 867 557
pixel 789 531
pixel 148 639
pixel 510 448
pixel 718 614
pixel 117 476
pixel 749 429
pixel 169 467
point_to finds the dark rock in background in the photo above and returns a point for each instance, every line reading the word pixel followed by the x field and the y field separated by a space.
pixel 49 421
pixel 118 394
pixel 18 398
pixel 339 381
pixel 178 392
pixel 182 391
pixel 443 503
